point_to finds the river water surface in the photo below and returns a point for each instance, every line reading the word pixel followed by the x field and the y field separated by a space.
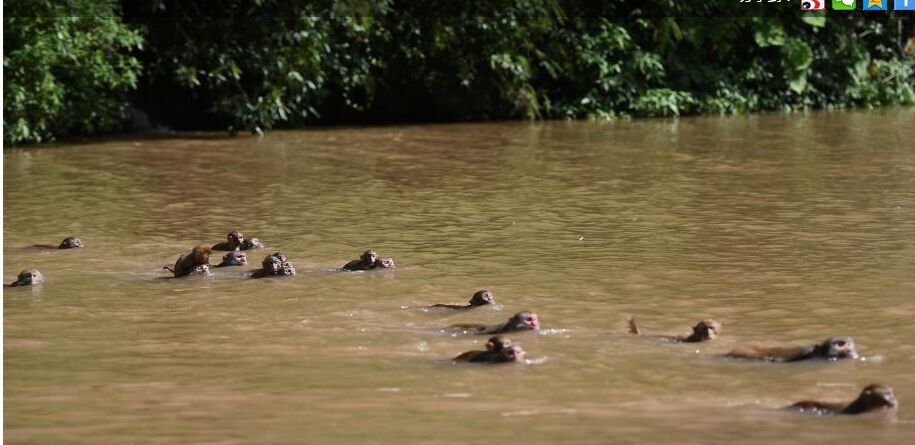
pixel 786 228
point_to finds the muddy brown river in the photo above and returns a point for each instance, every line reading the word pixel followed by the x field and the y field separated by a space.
pixel 785 228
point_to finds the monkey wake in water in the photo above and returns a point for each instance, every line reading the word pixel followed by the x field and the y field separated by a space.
pixel 28 277
pixel 702 331
pixel 187 263
pixel 498 350
pixel 873 398
pixel 833 348
pixel 479 298
pixel 522 321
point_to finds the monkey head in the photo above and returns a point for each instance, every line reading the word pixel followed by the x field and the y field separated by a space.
pixel 272 265
pixel 236 239
pixel 71 243
pixel 839 347
pixel 28 277
pixel 482 298
pixel 286 269
pixel 879 396
pixel 385 263
pixel 497 343
pixel 201 254
pixel 510 354
pixel 524 321
pixel 202 270
pixel 236 258
pixel 874 397
pixel 252 243
pixel 706 330
pixel 368 257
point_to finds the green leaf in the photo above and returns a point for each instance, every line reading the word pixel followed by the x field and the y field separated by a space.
pixel 798 84
pixel 817 21
pixel 798 55
pixel 769 34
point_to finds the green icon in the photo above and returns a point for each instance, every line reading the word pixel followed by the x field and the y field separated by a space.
pixel 844 5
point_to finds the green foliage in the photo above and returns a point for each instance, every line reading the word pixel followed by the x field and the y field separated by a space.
pixel 663 102
pixel 270 63
pixel 63 71
pixel 796 59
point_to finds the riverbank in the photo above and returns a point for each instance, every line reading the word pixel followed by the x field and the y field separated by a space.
pixel 219 135
pixel 277 65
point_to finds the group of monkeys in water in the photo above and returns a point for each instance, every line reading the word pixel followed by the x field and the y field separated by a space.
pixel 873 398
pixel 197 262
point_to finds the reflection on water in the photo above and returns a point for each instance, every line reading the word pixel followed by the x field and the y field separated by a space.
pixel 784 228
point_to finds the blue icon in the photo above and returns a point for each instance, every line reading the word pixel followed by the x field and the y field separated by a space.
pixel 904 5
pixel 875 5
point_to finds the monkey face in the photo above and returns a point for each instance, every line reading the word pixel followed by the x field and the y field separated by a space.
pixel 496 344
pixel 235 258
pixel 526 321
pixel 280 256
pixel 482 298
pixel 385 263
pixel 28 277
pixel 286 269
pixel 252 243
pixel 510 354
pixel 840 347
pixel 707 330
pixel 272 265
pixel 236 239
pixel 369 257
pixel 201 270
pixel 878 397
pixel 201 254
pixel 71 243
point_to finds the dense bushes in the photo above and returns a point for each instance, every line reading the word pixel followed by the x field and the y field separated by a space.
pixel 245 64
pixel 66 67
